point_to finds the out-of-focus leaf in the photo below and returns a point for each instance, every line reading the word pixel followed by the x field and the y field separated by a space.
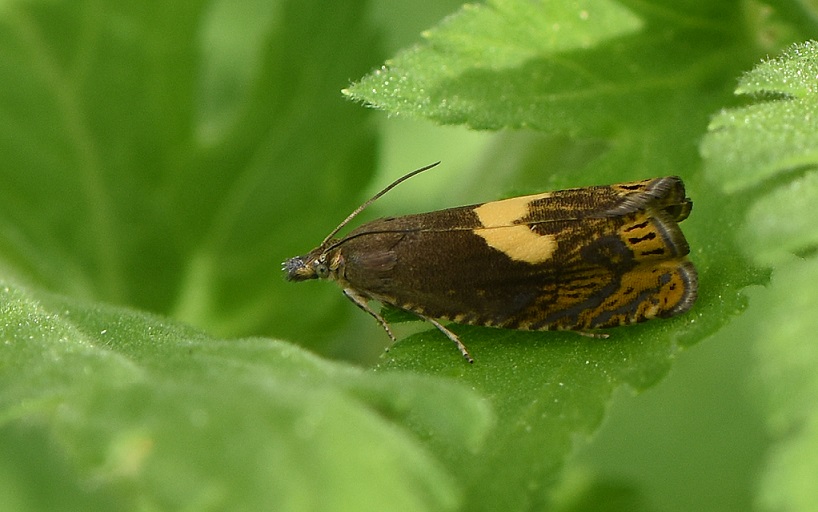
pixel 138 412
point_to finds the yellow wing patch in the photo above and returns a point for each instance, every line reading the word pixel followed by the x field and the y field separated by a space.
pixel 517 241
pixel 520 243
pixel 506 211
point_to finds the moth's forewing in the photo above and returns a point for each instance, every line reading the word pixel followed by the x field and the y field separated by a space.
pixel 578 259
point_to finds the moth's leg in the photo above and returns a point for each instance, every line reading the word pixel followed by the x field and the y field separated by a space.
pixel 361 301
pixel 452 336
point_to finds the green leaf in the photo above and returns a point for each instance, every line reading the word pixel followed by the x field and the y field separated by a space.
pixel 167 157
pixel 161 155
pixel 631 86
pixel 749 145
pixel 639 107
pixel 785 377
pixel 506 50
pixel 770 147
pixel 766 142
pixel 156 415
pixel 550 389
pixel 779 225
pixel 595 496
pixel 546 389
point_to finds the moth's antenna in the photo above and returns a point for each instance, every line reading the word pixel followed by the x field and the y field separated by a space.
pixel 375 198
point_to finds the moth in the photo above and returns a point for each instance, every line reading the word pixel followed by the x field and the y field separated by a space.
pixel 581 259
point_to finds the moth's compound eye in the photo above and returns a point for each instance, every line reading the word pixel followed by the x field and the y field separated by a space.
pixel 321 268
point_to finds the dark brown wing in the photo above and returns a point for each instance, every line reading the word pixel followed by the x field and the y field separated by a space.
pixel 576 259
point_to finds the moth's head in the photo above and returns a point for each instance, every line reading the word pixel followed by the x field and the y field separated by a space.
pixel 315 265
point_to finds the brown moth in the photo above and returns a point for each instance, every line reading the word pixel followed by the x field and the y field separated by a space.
pixel 579 259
